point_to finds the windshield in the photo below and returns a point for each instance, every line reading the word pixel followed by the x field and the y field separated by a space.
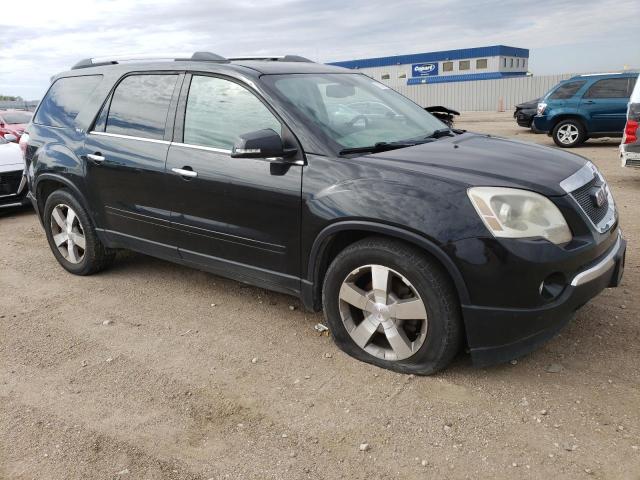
pixel 354 110
pixel 16 117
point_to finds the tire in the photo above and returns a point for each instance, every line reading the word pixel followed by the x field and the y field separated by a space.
pixel 569 133
pixel 72 237
pixel 414 279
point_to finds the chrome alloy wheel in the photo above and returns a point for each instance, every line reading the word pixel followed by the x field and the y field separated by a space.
pixel 67 233
pixel 568 134
pixel 382 312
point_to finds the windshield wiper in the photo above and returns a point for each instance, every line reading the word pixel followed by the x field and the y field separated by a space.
pixel 380 147
pixel 442 132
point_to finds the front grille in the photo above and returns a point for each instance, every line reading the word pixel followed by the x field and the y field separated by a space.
pixel 9 182
pixel 584 197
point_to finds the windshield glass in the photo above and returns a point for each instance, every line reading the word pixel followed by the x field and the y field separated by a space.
pixel 16 117
pixel 354 110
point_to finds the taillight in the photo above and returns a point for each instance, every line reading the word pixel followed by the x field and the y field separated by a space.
pixel 24 140
pixel 631 132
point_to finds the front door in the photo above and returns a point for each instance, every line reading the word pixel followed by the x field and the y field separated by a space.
pixel 125 157
pixel 605 104
pixel 239 217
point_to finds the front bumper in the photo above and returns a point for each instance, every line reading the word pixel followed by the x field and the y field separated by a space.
pixel 497 335
pixel 541 124
pixel 17 198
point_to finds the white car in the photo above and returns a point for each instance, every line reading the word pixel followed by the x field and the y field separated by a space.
pixel 13 183
pixel 630 146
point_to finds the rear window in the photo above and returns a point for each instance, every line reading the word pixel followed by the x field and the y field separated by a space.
pixel 611 88
pixel 566 90
pixel 140 106
pixel 65 98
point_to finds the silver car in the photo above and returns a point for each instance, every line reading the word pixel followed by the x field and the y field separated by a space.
pixel 630 146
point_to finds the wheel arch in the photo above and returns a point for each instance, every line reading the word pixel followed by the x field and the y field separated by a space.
pixel 566 116
pixel 335 237
pixel 47 183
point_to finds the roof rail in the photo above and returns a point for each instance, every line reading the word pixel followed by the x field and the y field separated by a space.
pixel 276 58
pixel 197 56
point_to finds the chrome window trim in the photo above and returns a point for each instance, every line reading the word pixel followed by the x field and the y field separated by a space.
pixel 581 178
pixel 601 267
pixel 130 137
pixel 202 147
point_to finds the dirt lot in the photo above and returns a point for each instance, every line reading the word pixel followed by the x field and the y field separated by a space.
pixel 152 370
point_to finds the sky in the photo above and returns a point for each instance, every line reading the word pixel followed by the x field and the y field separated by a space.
pixel 46 37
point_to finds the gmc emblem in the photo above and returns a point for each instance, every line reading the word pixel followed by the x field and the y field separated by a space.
pixel 599 196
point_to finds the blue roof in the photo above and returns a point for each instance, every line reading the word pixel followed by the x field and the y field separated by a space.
pixel 463 78
pixel 493 51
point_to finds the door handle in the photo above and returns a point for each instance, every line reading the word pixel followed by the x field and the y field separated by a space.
pixel 589 102
pixel 184 172
pixel 95 157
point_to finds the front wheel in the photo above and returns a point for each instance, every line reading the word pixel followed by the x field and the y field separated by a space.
pixel 569 133
pixel 389 304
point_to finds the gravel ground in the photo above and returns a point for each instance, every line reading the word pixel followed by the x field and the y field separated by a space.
pixel 152 370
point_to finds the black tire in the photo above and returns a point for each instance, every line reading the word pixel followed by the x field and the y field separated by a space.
pixel 95 256
pixel 560 130
pixel 444 324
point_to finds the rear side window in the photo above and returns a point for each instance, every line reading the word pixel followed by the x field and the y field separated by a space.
pixel 218 111
pixel 140 105
pixel 65 98
pixel 566 90
pixel 611 88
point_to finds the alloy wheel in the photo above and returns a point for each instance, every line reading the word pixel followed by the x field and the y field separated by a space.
pixel 568 134
pixel 67 233
pixel 383 312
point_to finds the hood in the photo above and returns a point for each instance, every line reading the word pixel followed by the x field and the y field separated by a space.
pixel 10 157
pixel 481 160
pixel 531 104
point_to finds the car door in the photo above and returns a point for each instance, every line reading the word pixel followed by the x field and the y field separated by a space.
pixel 236 216
pixel 125 155
pixel 605 104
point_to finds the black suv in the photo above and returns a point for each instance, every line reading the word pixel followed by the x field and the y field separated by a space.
pixel 413 237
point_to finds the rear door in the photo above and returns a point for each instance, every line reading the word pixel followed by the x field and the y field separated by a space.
pixel 125 156
pixel 236 216
pixel 605 104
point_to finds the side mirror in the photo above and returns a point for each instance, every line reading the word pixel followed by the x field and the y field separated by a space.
pixel 9 137
pixel 261 144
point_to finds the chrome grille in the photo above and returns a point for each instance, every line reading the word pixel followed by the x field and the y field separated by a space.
pixel 582 187
pixel 584 197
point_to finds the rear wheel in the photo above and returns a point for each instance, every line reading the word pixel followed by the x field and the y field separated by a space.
pixel 569 133
pixel 71 235
pixel 390 305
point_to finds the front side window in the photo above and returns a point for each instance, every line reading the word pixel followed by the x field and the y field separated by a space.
pixel 353 110
pixel 566 90
pixel 447 67
pixel 62 103
pixel 611 88
pixel 464 65
pixel 140 105
pixel 219 111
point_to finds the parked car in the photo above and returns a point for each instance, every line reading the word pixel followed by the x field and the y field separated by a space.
pixel 525 112
pixel 585 106
pixel 13 122
pixel 413 238
pixel 13 191
pixel 630 146
pixel 444 114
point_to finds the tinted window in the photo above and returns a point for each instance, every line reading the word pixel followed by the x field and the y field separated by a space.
pixel 566 90
pixel 65 98
pixel 140 105
pixel 218 111
pixel 611 88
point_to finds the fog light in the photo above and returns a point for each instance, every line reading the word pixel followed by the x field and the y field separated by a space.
pixel 552 286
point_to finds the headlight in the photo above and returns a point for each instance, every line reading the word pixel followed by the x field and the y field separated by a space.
pixel 541 108
pixel 514 213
